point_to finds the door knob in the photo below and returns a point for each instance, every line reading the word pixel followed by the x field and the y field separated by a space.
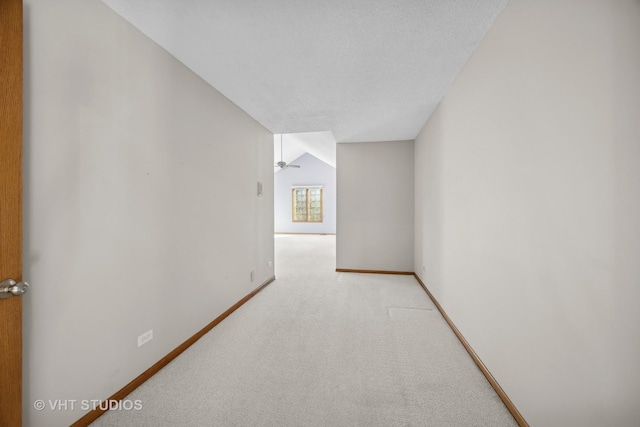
pixel 10 287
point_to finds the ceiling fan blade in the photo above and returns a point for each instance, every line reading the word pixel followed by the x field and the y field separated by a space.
pixel 293 166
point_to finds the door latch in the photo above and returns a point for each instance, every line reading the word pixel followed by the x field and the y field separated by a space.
pixel 10 287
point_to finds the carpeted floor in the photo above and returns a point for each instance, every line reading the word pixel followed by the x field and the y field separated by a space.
pixel 320 348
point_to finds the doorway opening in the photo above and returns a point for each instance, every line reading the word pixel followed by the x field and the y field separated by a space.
pixel 304 196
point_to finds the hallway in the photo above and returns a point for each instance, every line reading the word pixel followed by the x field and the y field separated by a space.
pixel 318 347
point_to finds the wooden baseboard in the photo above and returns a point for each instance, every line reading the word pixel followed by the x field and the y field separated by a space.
pixel 137 382
pixel 505 399
pixel 350 270
pixel 126 390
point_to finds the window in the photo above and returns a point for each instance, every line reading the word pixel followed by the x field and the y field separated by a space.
pixel 306 204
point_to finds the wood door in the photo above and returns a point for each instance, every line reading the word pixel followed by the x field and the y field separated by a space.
pixel 11 209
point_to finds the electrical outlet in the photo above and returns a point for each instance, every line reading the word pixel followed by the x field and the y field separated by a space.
pixel 270 264
pixel 145 338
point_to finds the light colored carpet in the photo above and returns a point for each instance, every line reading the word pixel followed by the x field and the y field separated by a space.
pixel 320 348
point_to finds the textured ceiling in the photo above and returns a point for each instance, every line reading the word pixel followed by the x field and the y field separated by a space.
pixel 366 70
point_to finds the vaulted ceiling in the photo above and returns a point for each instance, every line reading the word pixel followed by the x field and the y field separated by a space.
pixel 320 145
pixel 366 70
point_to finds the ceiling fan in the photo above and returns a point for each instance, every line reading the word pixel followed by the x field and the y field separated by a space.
pixel 282 164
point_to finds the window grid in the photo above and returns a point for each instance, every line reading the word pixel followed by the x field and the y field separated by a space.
pixel 306 204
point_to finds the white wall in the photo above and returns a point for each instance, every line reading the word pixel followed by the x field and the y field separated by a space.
pixel 137 213
pixel 312 172
pixel 375 206
pixel 528 208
